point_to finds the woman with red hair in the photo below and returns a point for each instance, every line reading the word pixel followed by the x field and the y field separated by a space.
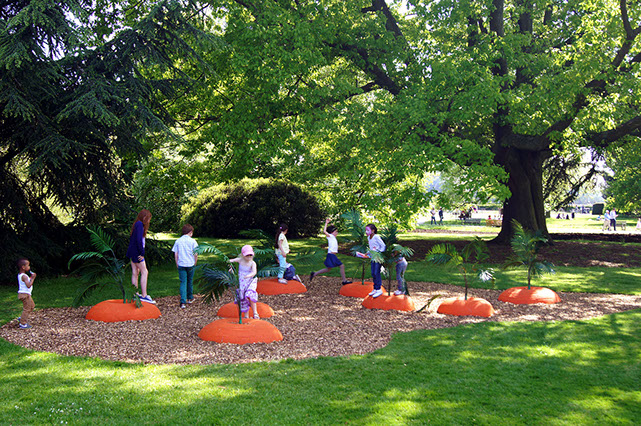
pixel 136 252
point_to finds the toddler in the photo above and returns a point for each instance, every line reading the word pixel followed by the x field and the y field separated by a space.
pixel 26 279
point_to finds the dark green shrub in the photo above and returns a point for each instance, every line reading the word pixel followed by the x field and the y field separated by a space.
pixel 223 211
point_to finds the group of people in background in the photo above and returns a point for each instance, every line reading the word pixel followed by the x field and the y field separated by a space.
pixel 186 258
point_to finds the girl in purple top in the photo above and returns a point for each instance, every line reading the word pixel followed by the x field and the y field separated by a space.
pixel 136 253
pixel 247 279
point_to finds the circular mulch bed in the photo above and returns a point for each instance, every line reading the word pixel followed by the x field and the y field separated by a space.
pixel 317 323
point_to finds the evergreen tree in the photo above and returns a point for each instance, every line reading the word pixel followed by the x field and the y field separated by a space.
pixel 83 88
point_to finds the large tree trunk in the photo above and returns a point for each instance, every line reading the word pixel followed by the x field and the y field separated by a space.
pixel 525 205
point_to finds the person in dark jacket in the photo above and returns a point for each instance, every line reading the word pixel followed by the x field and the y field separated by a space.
pixel 136 253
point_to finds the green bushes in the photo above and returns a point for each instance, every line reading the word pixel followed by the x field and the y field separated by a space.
pixel 224 210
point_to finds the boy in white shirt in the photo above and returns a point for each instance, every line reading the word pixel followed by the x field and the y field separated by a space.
pixel 186 259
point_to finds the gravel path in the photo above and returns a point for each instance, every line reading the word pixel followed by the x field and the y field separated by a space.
pixel 317 323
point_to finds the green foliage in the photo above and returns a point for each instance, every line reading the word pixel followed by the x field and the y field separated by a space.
pixel 226 210
pixel 467 261
pixel 79 105
pixel 623 190
pixel 356 227
pixel 525 245
pixel 162 186
pixel 100 264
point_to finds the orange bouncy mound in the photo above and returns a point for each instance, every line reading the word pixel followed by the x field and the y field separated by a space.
pixel 358 290
pixel 272 286
pixel 473 306
pixel 228 330
pixel 523 296
pixel 230 310
pixel 397 303
pixel 115 311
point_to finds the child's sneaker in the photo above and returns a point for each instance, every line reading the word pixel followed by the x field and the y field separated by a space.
pixel 190 300
pixel 297 278
pixel 256 316
pixel 147 299
pixel 24 326
pixel 371 293
pixel 183 306
pixel 377 293
pixel 347 282
pixel 399 293
pixel 282 281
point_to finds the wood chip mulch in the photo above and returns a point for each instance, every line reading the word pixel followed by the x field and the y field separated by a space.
pixel 317 323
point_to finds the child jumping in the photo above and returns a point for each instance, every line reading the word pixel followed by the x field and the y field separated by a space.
pixel 331 261
pixel 282 251
pixel 247 295
pixel 186 260
pixel 25 287
pixel 375 244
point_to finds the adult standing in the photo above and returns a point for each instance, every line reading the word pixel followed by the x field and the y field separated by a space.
pixel 613 219
pixel 136 253
pixel 440 215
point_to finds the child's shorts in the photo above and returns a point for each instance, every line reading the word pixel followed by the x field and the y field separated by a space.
pixel 331 261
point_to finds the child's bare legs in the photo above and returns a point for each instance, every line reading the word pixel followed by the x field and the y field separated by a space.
pixel 342 267
pixel 140 269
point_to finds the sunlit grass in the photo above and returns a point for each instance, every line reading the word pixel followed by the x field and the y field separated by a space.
pixel 584 372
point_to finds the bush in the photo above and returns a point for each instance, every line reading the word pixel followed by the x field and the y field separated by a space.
pixel 223 211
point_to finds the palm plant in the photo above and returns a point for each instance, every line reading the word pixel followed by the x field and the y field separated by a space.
pixel 393 251
pixel 265 257
pixel 356 228
pixel 217 275
pixel 525 245
pixel 467 261
pixel 99 264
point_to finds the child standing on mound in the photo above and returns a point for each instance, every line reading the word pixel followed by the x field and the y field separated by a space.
pixel 186 260
pixel 401 267
pixel 247 295
pixel 25 287
pixel 331 261
pixel 136 252
pixel 282 251
pixel 375 244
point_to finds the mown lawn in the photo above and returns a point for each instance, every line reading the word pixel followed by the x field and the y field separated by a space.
pixel 578 372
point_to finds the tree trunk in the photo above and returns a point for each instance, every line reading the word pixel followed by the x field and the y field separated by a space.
pixel 525 205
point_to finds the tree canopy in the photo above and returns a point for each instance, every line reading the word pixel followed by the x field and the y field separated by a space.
pixel 78 102
pixel 361 99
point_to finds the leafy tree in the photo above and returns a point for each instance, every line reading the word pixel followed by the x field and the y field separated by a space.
pixel 361 99
pixel 623 190
pixel 526 245
pixel 83 92
pixel 467 261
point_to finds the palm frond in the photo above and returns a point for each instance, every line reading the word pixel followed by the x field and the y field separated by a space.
pixel 355 226
pixel 101 240
pixel 86 291
pixel 84 256
pixel 213 283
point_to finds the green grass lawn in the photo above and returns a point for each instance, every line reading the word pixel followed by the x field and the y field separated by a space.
pixel 583 372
